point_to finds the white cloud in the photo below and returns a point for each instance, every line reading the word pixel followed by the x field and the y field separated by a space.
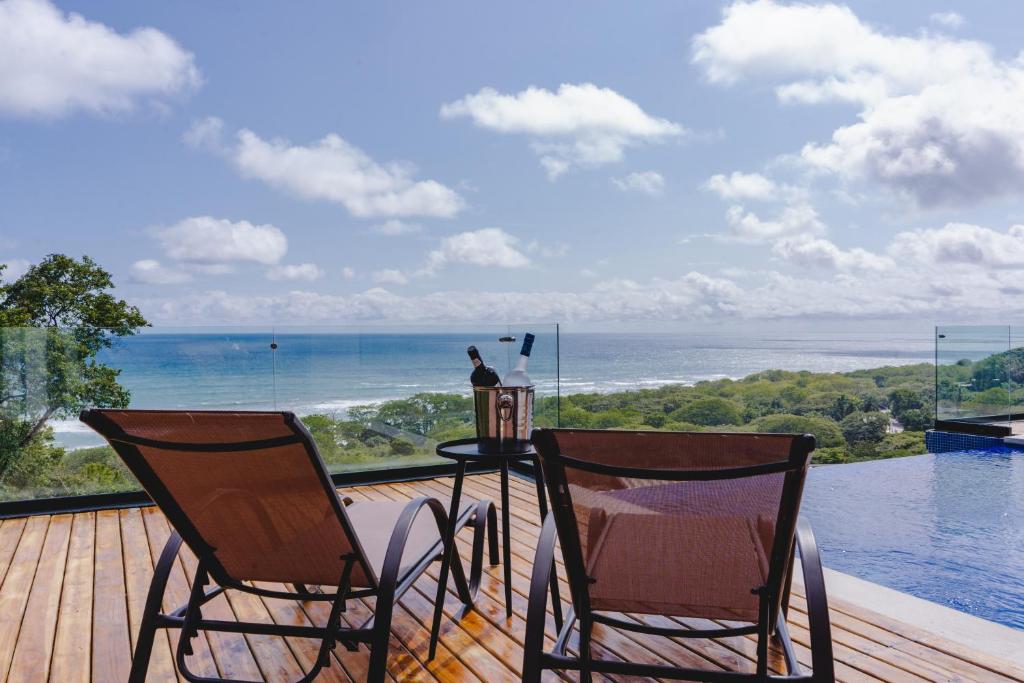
pixel 152 272
pixel 206 134
pixel 16 267
pixel 485 247
pixel 646 182
pixel 389 276
pixel 337 171
pixel 947 19
pixel 851 60
pixel 795 219
pixel 297 271
pixel 941 120
pixel 938 274
pixel 963 244
pixel 740 185
pixel 395 228
pixel 208 240
pixel 821 253
pixel 577 126
pixel 948 146
pixel 52 63
pixel 348 273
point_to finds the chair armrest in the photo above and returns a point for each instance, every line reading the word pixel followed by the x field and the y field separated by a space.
pixel 817 603
pixel 536 610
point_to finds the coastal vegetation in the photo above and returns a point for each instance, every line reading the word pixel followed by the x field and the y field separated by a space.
pixel 854 416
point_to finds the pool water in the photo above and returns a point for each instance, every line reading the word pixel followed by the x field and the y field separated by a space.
pixel 946 527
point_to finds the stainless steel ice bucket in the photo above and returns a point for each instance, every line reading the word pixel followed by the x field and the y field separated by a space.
pixel 504 418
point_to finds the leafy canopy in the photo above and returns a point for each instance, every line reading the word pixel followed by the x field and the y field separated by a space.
pixel 54 319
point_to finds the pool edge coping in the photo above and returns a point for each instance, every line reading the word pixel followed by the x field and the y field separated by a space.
pixel 987 637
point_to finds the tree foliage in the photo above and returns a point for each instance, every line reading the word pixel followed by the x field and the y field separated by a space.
pixel 826 432
pixel 54 319
pixel 710 411
pixel 862 427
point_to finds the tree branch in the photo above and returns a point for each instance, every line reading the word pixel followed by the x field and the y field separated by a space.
pixel 36 427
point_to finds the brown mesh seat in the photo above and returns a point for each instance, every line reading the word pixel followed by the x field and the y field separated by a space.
pixel 680 525
pixel 251 497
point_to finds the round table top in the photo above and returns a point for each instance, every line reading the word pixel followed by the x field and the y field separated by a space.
pixel 469 449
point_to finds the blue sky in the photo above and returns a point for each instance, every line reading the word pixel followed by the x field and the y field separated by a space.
pixel 602 164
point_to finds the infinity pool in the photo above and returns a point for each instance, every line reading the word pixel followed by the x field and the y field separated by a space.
pixel 946 527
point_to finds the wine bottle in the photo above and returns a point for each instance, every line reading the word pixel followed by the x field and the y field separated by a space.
pixel 518 377
pixel 483 375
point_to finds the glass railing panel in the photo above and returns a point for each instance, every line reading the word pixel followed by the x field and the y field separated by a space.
pixel 373 398
pixel 972 373
pixel 384 398
pixel 44 381
pixel 1015 378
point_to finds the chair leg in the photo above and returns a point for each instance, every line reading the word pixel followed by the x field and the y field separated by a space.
pixel 154 600
pixel 377 668
pixel 536 610
pixel 586 626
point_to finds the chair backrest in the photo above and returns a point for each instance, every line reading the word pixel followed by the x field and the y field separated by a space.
pixel 675 523
pixel 247 491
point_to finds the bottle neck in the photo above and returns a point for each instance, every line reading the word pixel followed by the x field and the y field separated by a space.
pixel 476 361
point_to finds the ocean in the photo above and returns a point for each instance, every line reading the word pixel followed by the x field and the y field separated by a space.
pixel 327 372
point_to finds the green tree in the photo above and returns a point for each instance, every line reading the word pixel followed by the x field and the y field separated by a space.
pixel 826 432
pixel 842 406
pixel 54 320
pixel 869 403
pixel 710 411
pixel 860 428
pixel 916 420
pixel 901 400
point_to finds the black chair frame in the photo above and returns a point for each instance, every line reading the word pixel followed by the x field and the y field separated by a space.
pixel 388 587
pixel 560 526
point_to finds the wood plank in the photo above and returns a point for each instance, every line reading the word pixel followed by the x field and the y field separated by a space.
pixel 273 656
pixel 111 641
pixel 35 640
pixel 72 647
pixel 10 534
pixel 14 593
pixel 921 659
pixel 910 636
pixel 138 572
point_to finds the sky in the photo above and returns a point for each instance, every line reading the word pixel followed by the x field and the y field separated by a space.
pixel 679 165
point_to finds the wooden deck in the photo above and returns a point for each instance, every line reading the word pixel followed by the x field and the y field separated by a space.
pixel 73 587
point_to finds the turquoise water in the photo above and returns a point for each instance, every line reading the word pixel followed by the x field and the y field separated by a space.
pixel 946 527
pixel 330 372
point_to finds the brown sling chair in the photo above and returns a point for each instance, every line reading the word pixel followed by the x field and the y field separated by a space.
pixel 687 525
pixel 250 496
